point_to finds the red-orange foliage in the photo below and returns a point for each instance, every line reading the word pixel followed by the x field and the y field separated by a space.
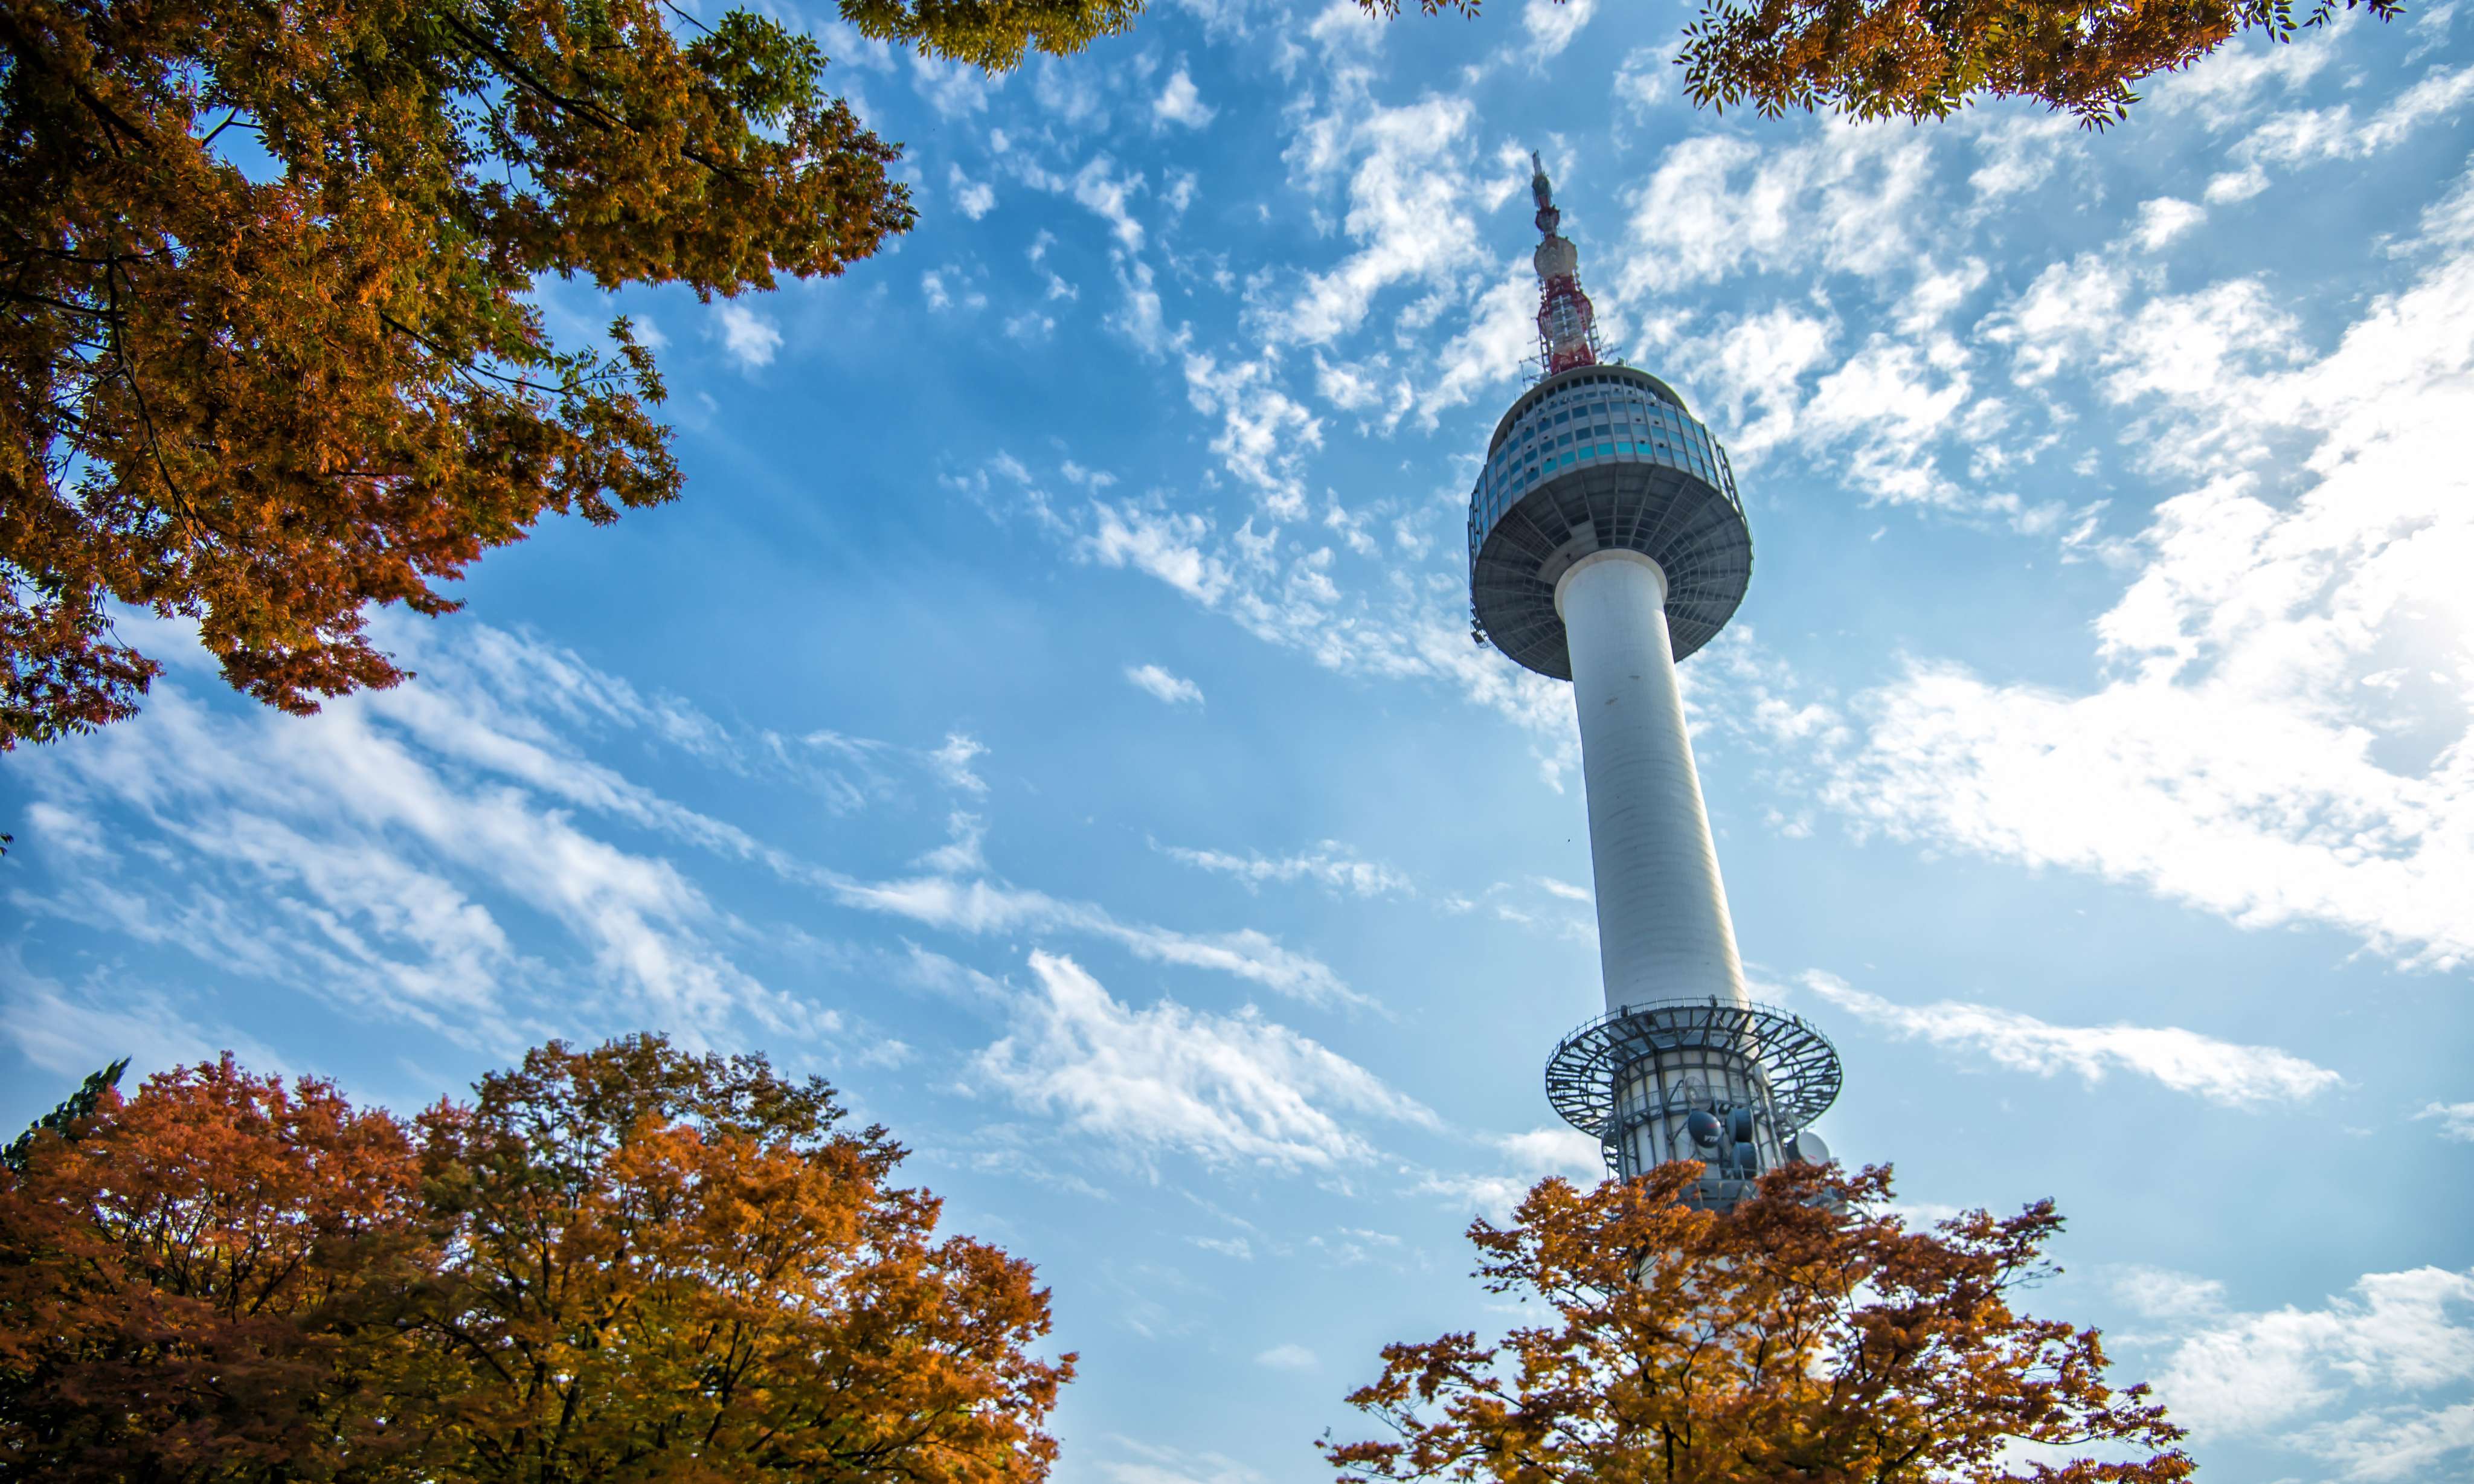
pixel 190 1290
pixel 1806 1335
pixel 265 398
pixel 621 1264
pixel 1924 59
pixel 674 1267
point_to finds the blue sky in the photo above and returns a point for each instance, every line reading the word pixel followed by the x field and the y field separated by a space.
pixel 1050 712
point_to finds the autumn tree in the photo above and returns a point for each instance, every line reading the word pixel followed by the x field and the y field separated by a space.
pixel 675 1266
pixel 1808 1334
pixel 71 1117
pixel 628 1263
pixel 200 1282
pixel 268 355
pixel 1927 58
pixel 1878 59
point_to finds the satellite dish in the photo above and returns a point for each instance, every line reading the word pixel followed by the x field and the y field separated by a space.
pixel 1703 1125
pixel 1807 1148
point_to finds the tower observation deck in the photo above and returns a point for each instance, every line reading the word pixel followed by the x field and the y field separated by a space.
pixel 1606 543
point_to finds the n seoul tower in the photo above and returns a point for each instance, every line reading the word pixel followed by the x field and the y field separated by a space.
pixel 1606 544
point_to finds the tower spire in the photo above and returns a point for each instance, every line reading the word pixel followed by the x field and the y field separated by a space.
pixel 1567 333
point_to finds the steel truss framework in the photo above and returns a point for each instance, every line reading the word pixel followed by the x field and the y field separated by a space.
pixel 1593 1063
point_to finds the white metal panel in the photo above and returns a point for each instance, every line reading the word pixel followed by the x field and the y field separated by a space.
pixel 1663 931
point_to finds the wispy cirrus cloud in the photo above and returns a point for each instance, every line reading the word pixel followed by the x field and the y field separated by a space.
pixel 2220 1071
pixel 1165 1079
pixel 983 906
pixel 396 854
pixel 1172 689
pixel 1329 865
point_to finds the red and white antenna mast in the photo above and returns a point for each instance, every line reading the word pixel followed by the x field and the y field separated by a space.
pixel 1567 333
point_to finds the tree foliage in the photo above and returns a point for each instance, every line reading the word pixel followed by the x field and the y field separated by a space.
pixel 267 351
pixel 198 1286
pixel 68 1120
pixel 668 1260
pixel 1806 1335
pixel 627 1263
pixel 1927 58
pixel 1876 58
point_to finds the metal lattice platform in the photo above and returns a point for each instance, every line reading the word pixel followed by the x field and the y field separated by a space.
pixel 1589 1064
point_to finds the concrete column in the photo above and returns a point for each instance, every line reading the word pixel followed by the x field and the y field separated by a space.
pixel 1663 931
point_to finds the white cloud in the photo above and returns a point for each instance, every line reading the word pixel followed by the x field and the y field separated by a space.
pixel 2162 1293
pixel 2380 1351
pixel 1154 1465
pixel 1556 1149
pixel 1264 432
pixel 1485 354
pixel 2221 1072
pixel 1409 196
pixel 1288 1358
pixel 748 336
pixel 978 906
pixel 1281 591
pixel 2284 734
pixel 1330 864
pixel 370 855
pixel 1173 689
pixel 1717 205
pixel 1642 80
pixel 952 762
pixel 1168 546
pixel 1180 102
pixel 1141 319
pixel 2456 1120
pixel 962 853
pixel 954 89
pixel 2164 218
pixel 71 1031
pixel 1109 196
pixel 1563 888
pixel 2019 149
pixel 973 199
pixel 2309 135
pixel 1552 24
pixel 2222 92
pixel 1228 1089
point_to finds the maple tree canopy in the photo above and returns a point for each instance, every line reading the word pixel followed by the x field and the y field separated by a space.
pixel 627 1263
pixel 1808 1334
pixel 267 356
pixel 1903 58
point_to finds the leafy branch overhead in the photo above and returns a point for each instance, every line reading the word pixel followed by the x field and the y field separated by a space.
pixel 1927 58
pixel 267 354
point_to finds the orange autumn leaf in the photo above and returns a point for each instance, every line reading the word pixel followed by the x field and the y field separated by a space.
pixel 1808 1334
pixel 617 1264
pixel 268 354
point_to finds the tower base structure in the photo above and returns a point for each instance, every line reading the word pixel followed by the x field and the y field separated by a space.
pixel 1731 1083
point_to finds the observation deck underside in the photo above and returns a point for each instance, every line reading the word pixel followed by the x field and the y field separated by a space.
pixel 1603 458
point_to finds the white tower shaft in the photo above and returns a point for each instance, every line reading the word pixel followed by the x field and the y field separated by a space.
pixel 1663 930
